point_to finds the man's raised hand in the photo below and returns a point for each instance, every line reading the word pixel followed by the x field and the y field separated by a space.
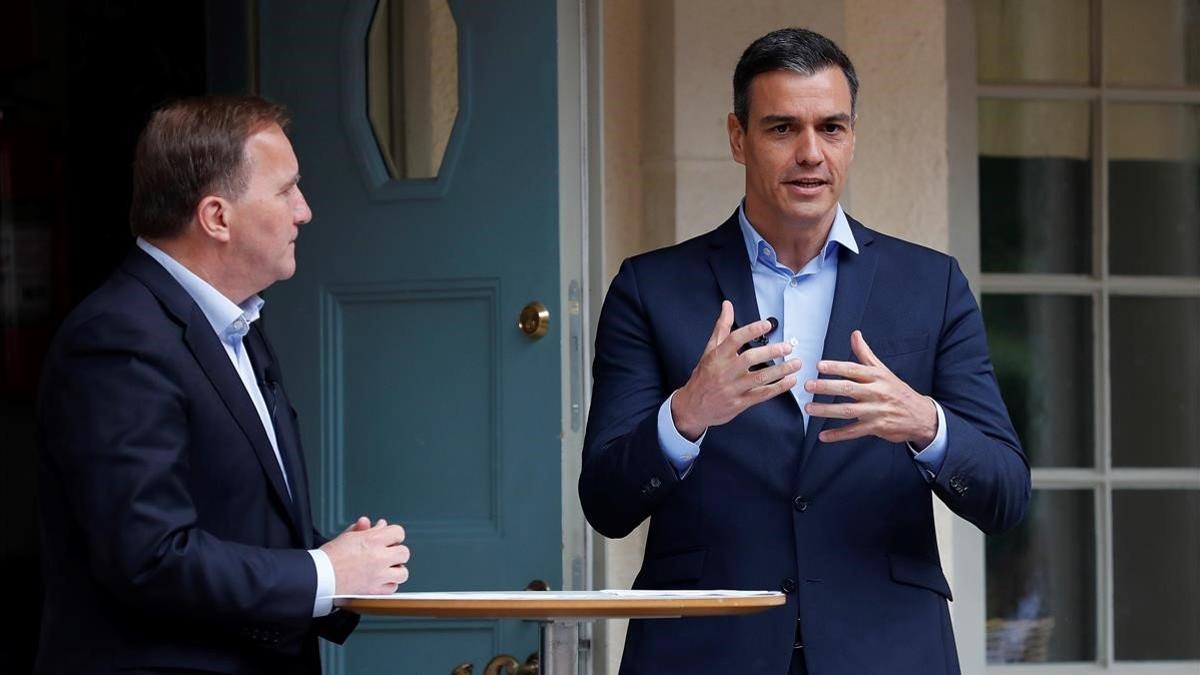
pixel 722 384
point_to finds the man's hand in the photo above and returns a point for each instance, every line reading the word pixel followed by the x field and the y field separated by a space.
pixel 368 560
pixel 721 385
pixel 884 405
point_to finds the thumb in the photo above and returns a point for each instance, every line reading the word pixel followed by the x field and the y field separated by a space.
pixel 858 344
pixel 363 523
pixel 725 321
pixel 721 327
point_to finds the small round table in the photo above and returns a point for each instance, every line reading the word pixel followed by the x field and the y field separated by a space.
pixel 559 613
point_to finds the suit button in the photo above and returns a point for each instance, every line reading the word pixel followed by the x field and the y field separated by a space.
pixel 655 482
pixel 958 484
pixel 788 585
pixel 801 504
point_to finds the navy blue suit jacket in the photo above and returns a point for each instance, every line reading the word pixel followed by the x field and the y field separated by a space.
pixel 168 537
pixel 844 529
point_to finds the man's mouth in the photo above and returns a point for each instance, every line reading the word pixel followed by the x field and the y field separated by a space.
pixel 807 183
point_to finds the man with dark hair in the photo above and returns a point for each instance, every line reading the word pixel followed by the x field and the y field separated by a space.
pixel 778 448
pixel 176 529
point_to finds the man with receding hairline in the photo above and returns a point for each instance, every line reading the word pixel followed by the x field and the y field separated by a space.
pixel 782 395
pixel 177 534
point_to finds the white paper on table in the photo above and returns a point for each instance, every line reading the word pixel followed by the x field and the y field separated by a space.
pixel 606 594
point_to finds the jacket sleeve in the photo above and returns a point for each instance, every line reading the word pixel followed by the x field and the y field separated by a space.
pixel 115 428
pixel 625 474
pixel 985 476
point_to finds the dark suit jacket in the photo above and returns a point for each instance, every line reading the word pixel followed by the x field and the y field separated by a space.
pixel 168 537
pixel 845 529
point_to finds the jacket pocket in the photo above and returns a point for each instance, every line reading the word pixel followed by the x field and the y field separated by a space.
pixel 675 568
pixel 904 344
pixel 919 572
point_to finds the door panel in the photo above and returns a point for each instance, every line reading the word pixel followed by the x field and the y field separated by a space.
pixel 419 400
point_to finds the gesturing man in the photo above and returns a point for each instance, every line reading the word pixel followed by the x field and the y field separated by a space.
pixel 794 444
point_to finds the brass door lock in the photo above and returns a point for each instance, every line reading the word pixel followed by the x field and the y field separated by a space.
pixel 534 321
pixel 504 664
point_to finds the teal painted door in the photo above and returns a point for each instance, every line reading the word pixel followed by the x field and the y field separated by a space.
pixel 419 399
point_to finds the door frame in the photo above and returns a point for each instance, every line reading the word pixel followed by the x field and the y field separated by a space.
pixel 579 230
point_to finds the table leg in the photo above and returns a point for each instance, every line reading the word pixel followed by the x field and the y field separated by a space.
pixel 560 648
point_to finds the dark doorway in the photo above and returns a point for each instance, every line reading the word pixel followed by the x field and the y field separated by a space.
pixel 78 80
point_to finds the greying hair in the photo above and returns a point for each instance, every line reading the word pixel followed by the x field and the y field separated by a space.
pixel 795 49
pixel 192 148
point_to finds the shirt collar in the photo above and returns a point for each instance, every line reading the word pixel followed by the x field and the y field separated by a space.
pixel 839 234
pixel 229 320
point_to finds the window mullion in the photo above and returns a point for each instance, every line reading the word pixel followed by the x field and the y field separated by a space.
pixel 1105 637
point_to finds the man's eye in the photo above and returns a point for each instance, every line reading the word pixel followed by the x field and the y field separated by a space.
pixel 833 128
pixel 780 129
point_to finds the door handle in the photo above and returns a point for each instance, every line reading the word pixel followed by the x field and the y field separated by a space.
pixel 503 664
pixel 534 321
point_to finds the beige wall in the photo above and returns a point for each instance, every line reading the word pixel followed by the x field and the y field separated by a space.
pixel 667 70
pixel 899 180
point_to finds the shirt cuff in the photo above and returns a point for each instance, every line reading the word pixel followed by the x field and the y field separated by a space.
pixel 679 451
pixel 931 458
pixel 326 583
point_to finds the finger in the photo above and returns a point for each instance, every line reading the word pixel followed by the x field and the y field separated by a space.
pixel 846 433
pixel 750 331
pixel 363 523
pixel 724 322
pixel 768 376
pixel 765 353
pixel 720 329
pixel 381 523
pixel 770 391
pixel 395 556
pixel 392 578
pixel 401 554
pixel 716 331
pixel 846 388
pixel 837 411
pixel 389 535
pixel 848 370
pixel 858 344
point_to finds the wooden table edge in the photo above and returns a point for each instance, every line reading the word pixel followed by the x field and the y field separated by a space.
pixel 562 608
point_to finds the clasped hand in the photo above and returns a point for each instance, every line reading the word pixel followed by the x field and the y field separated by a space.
pixel 368 559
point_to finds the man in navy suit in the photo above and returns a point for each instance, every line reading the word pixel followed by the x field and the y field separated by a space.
pixel 176 528
pixel 794 444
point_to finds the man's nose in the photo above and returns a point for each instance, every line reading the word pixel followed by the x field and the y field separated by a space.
pixel 303 213
pixel 808 147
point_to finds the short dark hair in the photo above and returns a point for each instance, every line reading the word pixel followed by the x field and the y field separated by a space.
pixel 192 148
pixel 796 49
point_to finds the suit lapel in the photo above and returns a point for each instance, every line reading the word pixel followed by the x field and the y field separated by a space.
pixel 208 351
pixel 288 437
pixel 731 266
pixel 855 275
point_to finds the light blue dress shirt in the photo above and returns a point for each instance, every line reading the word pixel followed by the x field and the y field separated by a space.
pixel 231 322
pixel 801 302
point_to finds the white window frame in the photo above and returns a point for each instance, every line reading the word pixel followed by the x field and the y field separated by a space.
pixel 966 554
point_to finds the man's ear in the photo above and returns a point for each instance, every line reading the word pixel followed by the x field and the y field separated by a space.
pixel 736 136
pixel 853 135
pixel 213 214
